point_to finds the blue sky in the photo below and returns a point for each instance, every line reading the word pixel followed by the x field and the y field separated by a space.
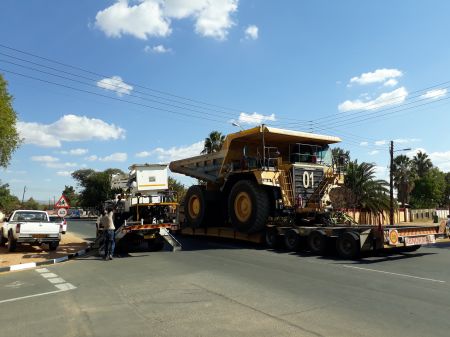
pixel 367 72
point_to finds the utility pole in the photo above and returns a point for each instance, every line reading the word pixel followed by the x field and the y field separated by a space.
pixel 23 195
pixel 391 184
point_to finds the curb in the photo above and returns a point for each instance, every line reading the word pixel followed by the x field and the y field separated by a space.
pixel 30 265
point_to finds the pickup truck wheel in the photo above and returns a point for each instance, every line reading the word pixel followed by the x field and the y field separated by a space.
pixel 53 245
pixel 248 206
pixel 317 242
pixel 292 240
pixel 3 240
pixel 347 245
pixel 12 243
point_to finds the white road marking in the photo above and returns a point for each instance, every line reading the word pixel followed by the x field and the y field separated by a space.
pixel 30 296
pixel 396 274
pixel 65 286
pixel 56 280
pixel 42 270
pixel 48 275
pixel 23 266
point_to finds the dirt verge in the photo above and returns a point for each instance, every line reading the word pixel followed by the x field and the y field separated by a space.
pixel 26 253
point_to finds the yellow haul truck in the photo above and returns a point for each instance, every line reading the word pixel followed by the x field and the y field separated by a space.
pixel 273 184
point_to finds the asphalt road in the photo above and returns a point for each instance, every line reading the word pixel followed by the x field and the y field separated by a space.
pixel 225 289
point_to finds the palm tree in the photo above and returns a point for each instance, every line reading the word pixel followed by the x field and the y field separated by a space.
pixel 422 163
pixel 214 142
pixel 368 193
pixel 404 177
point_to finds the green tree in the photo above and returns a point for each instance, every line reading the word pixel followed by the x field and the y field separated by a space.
pixel 340 152
pixel 213 142
pixel 404 177
pixel 429 190
pixel 9 137
pixel 422 164
pixel 31 204
pixel 368 193
pixel 446 199
pixel 95 186
pixel 71 195
pixel 8 202
pixel 178 187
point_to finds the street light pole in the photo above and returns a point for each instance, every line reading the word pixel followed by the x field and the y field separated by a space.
pixel 391 184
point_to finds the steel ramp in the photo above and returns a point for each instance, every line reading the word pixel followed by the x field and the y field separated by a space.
pixel 170 239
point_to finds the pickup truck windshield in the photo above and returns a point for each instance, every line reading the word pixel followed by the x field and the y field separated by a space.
pixel 30 217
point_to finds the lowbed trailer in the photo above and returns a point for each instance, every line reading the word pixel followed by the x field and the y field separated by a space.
pixel 268 184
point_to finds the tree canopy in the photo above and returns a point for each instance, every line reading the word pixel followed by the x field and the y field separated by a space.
pixel 213 142
pixel 71 195
pixel 8 202
pixel 95 186
pixel 9 137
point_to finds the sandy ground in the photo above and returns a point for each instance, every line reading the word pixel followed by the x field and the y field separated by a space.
pixel 27 253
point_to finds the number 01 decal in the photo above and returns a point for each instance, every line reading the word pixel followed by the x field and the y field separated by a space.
pixel 308 179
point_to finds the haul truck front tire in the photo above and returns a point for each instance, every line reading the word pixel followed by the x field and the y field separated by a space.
pixel 195 206
pixel 248 207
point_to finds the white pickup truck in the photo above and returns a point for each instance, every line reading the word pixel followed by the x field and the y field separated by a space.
pixel 30 226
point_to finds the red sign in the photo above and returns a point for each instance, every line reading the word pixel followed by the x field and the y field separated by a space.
pixel 62 202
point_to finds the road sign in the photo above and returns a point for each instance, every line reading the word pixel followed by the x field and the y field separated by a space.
pixel 62 212
pixel 62 202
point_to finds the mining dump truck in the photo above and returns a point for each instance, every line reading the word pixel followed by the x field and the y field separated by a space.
pixel 273 184
pixel 145 210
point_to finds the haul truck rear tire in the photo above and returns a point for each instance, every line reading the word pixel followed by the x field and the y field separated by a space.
pixel 248 207
pixel 195 206
pixel 347 245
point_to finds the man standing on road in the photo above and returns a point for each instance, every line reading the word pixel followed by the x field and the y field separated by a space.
pixel 108 231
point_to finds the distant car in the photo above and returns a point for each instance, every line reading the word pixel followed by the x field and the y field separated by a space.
pixel 63 222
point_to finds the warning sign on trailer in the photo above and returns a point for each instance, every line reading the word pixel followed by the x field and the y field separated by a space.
pixel 62 203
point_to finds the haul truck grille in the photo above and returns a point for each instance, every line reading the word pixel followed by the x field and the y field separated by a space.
pixel 306 182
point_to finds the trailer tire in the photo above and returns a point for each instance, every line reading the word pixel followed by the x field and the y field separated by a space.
pixel 273 239
pixel 12 243
pixel 317 242
pixel 292 240
pixel 195 206
pixel 155 245
pixel 348 246
pixel 248 206
pixel 53 245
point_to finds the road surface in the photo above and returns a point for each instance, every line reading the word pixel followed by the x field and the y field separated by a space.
pixel 227 289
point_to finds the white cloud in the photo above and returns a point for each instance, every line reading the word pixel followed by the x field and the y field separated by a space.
pixel 153 18
pixel 91 158
pixel 174 153
pixel 381 172
pixel 255 118
pixel 380 142
pixel 116 84
pixel 378 76
pixel 391 83
pixel 435 94
pixel 251 32
pixel 75 152
pixel 143 20
pixel 60 165
pixel 374 152
pixel 64 173
pixel 159 49
pixel 68 128
pixel 364 143
pixel 441 159
pixel 394 97
pixel 118 156
pixel 406 140
pixel 44 159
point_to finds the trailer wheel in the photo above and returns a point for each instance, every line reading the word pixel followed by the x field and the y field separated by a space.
pixel 195 206
pixel 292 240
pixel 12 243
pixel 248 206
pixel 317 242
pixel 273 240
pixel 53 245
pixel 155 245
pixel 347 245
